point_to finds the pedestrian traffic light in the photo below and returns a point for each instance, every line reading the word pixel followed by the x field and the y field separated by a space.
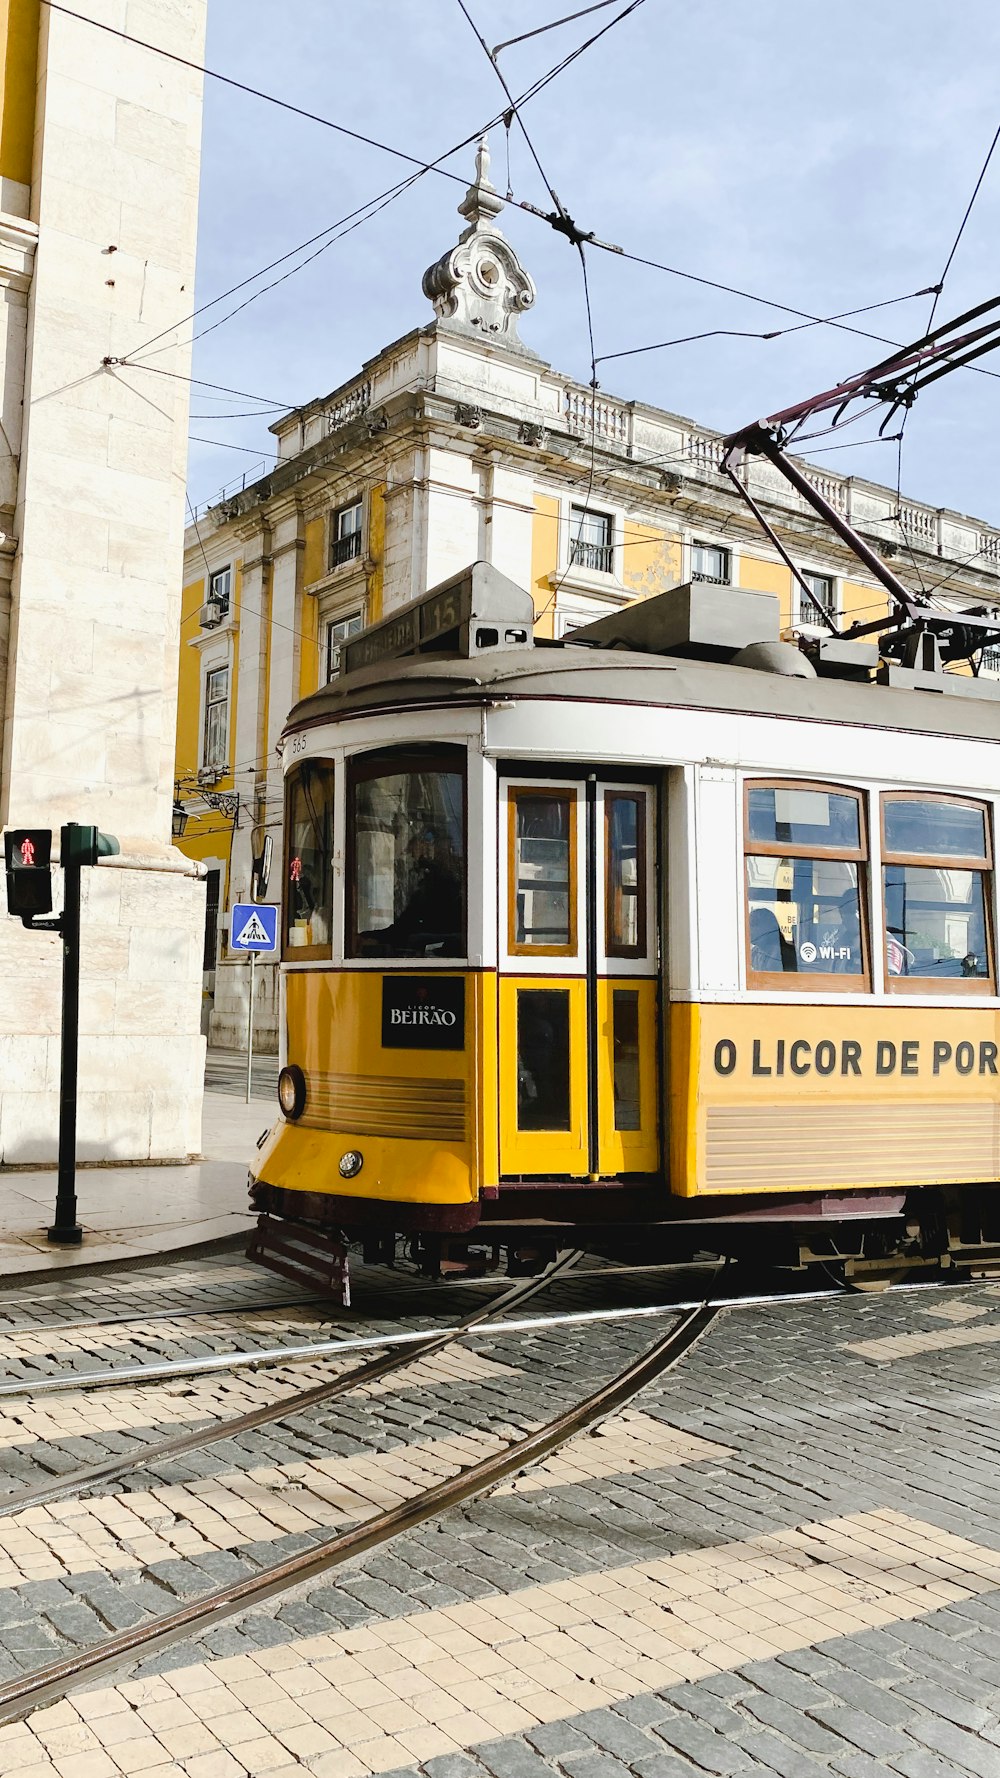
pixel 85 845
pixel 28 856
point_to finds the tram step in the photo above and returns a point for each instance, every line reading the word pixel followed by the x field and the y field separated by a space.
pixel 303 1255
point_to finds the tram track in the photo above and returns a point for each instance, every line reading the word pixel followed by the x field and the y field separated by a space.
pixel 418 1345
pixel 83 1666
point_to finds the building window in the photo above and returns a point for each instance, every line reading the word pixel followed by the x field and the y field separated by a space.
pixel 216 738
pixel 220 586
pixel 806 853
pixel 337 633
pixel 710 562
pixel 213 895
pixel 591 539
pixel 824 590
pixel 936 868
pixel 345 534
pixel 989 663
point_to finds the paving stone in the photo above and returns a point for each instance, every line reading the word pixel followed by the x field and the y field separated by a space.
pixel 921 1764
pixel 664 1765
pixel 611 1733
pixel 645 1710
pixel 553 1739
pixel 966 1752
pixel 452 1765
pixel 940 1701
pixel 794 1724
pixel 702 1745
pixel 596 1764
pixel 864 1732
pixel 512 1759
pixel 792 1687
pixel 868 1699
pixel 776 1755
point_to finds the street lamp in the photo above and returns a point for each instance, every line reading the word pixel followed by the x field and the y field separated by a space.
pixel 178 819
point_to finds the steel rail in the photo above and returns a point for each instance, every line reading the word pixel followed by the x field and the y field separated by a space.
pixel 85 1324
pixel 49 1683
pixel 415 1284
pixel 473 1325
pixel 414 1345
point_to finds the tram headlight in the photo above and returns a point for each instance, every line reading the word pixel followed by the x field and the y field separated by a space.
pixel 351 1164
pixel 292 1091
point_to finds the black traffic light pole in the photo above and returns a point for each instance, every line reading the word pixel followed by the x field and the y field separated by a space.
pixel 29 893
pixel 66 1230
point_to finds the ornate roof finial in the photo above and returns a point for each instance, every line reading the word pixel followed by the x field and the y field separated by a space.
pixel 481 283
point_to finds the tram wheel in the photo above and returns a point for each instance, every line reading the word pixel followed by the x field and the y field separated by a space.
pixel 871 1283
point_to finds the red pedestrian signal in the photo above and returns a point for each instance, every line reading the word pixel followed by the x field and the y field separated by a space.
pixel 28 854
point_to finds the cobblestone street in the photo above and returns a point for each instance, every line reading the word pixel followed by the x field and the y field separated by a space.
pixel 782 1557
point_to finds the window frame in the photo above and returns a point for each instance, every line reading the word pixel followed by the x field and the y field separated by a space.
pixel 337 536
pixel 224 599
pixel 381 762
pixel 813 980
pixel 577 514
pixel 977 987
pixel 330 624
pixel 514 793
pixel 721 549
pixel 210 705
pixel 639 952
pixel 307 953
pixel 808 613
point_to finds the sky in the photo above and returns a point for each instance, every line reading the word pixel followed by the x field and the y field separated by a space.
pixel 819 156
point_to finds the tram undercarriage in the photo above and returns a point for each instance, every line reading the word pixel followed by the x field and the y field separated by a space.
pixel 930 1232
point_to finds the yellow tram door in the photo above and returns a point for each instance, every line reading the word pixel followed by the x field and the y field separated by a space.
pixel 578 979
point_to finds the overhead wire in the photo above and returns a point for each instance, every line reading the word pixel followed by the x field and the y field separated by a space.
pixel 434 166
pixel 775 334
pixel 540 30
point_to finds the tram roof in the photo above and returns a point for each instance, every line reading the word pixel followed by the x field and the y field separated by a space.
pixel 573 671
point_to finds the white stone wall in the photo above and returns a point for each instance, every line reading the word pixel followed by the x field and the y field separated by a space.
pixel 91 686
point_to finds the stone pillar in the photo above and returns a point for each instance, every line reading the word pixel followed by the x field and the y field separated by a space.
pixel 91 683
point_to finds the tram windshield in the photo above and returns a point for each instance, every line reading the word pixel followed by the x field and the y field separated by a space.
pixel 407 846
pixel 308 899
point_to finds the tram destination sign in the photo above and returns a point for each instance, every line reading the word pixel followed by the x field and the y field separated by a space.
pixel 423 1012
pixel 471 614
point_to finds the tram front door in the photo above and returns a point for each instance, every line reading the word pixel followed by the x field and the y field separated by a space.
pixel 578 979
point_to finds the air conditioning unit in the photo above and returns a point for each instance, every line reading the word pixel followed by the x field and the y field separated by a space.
pixel 211 614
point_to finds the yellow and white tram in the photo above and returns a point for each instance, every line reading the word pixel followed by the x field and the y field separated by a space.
pixel 669 935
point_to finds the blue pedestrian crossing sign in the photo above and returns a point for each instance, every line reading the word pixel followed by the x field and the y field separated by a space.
pixel 253 927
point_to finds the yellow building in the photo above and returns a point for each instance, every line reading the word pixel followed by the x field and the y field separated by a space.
pixel 458 443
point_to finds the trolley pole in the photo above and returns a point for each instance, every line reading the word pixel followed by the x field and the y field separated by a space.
pixel 66 1230
pixel 253 962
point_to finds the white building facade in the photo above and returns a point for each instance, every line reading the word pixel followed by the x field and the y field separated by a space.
pixel 97 242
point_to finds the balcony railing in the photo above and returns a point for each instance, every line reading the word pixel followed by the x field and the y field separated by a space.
pixel 599 556
pixel 345 549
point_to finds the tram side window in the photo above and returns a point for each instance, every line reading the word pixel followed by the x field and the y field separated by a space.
pixel 542 887
pixel 806 853
pixel 308 898
pixel 937 861
pixel 625 886
pixel 406 838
